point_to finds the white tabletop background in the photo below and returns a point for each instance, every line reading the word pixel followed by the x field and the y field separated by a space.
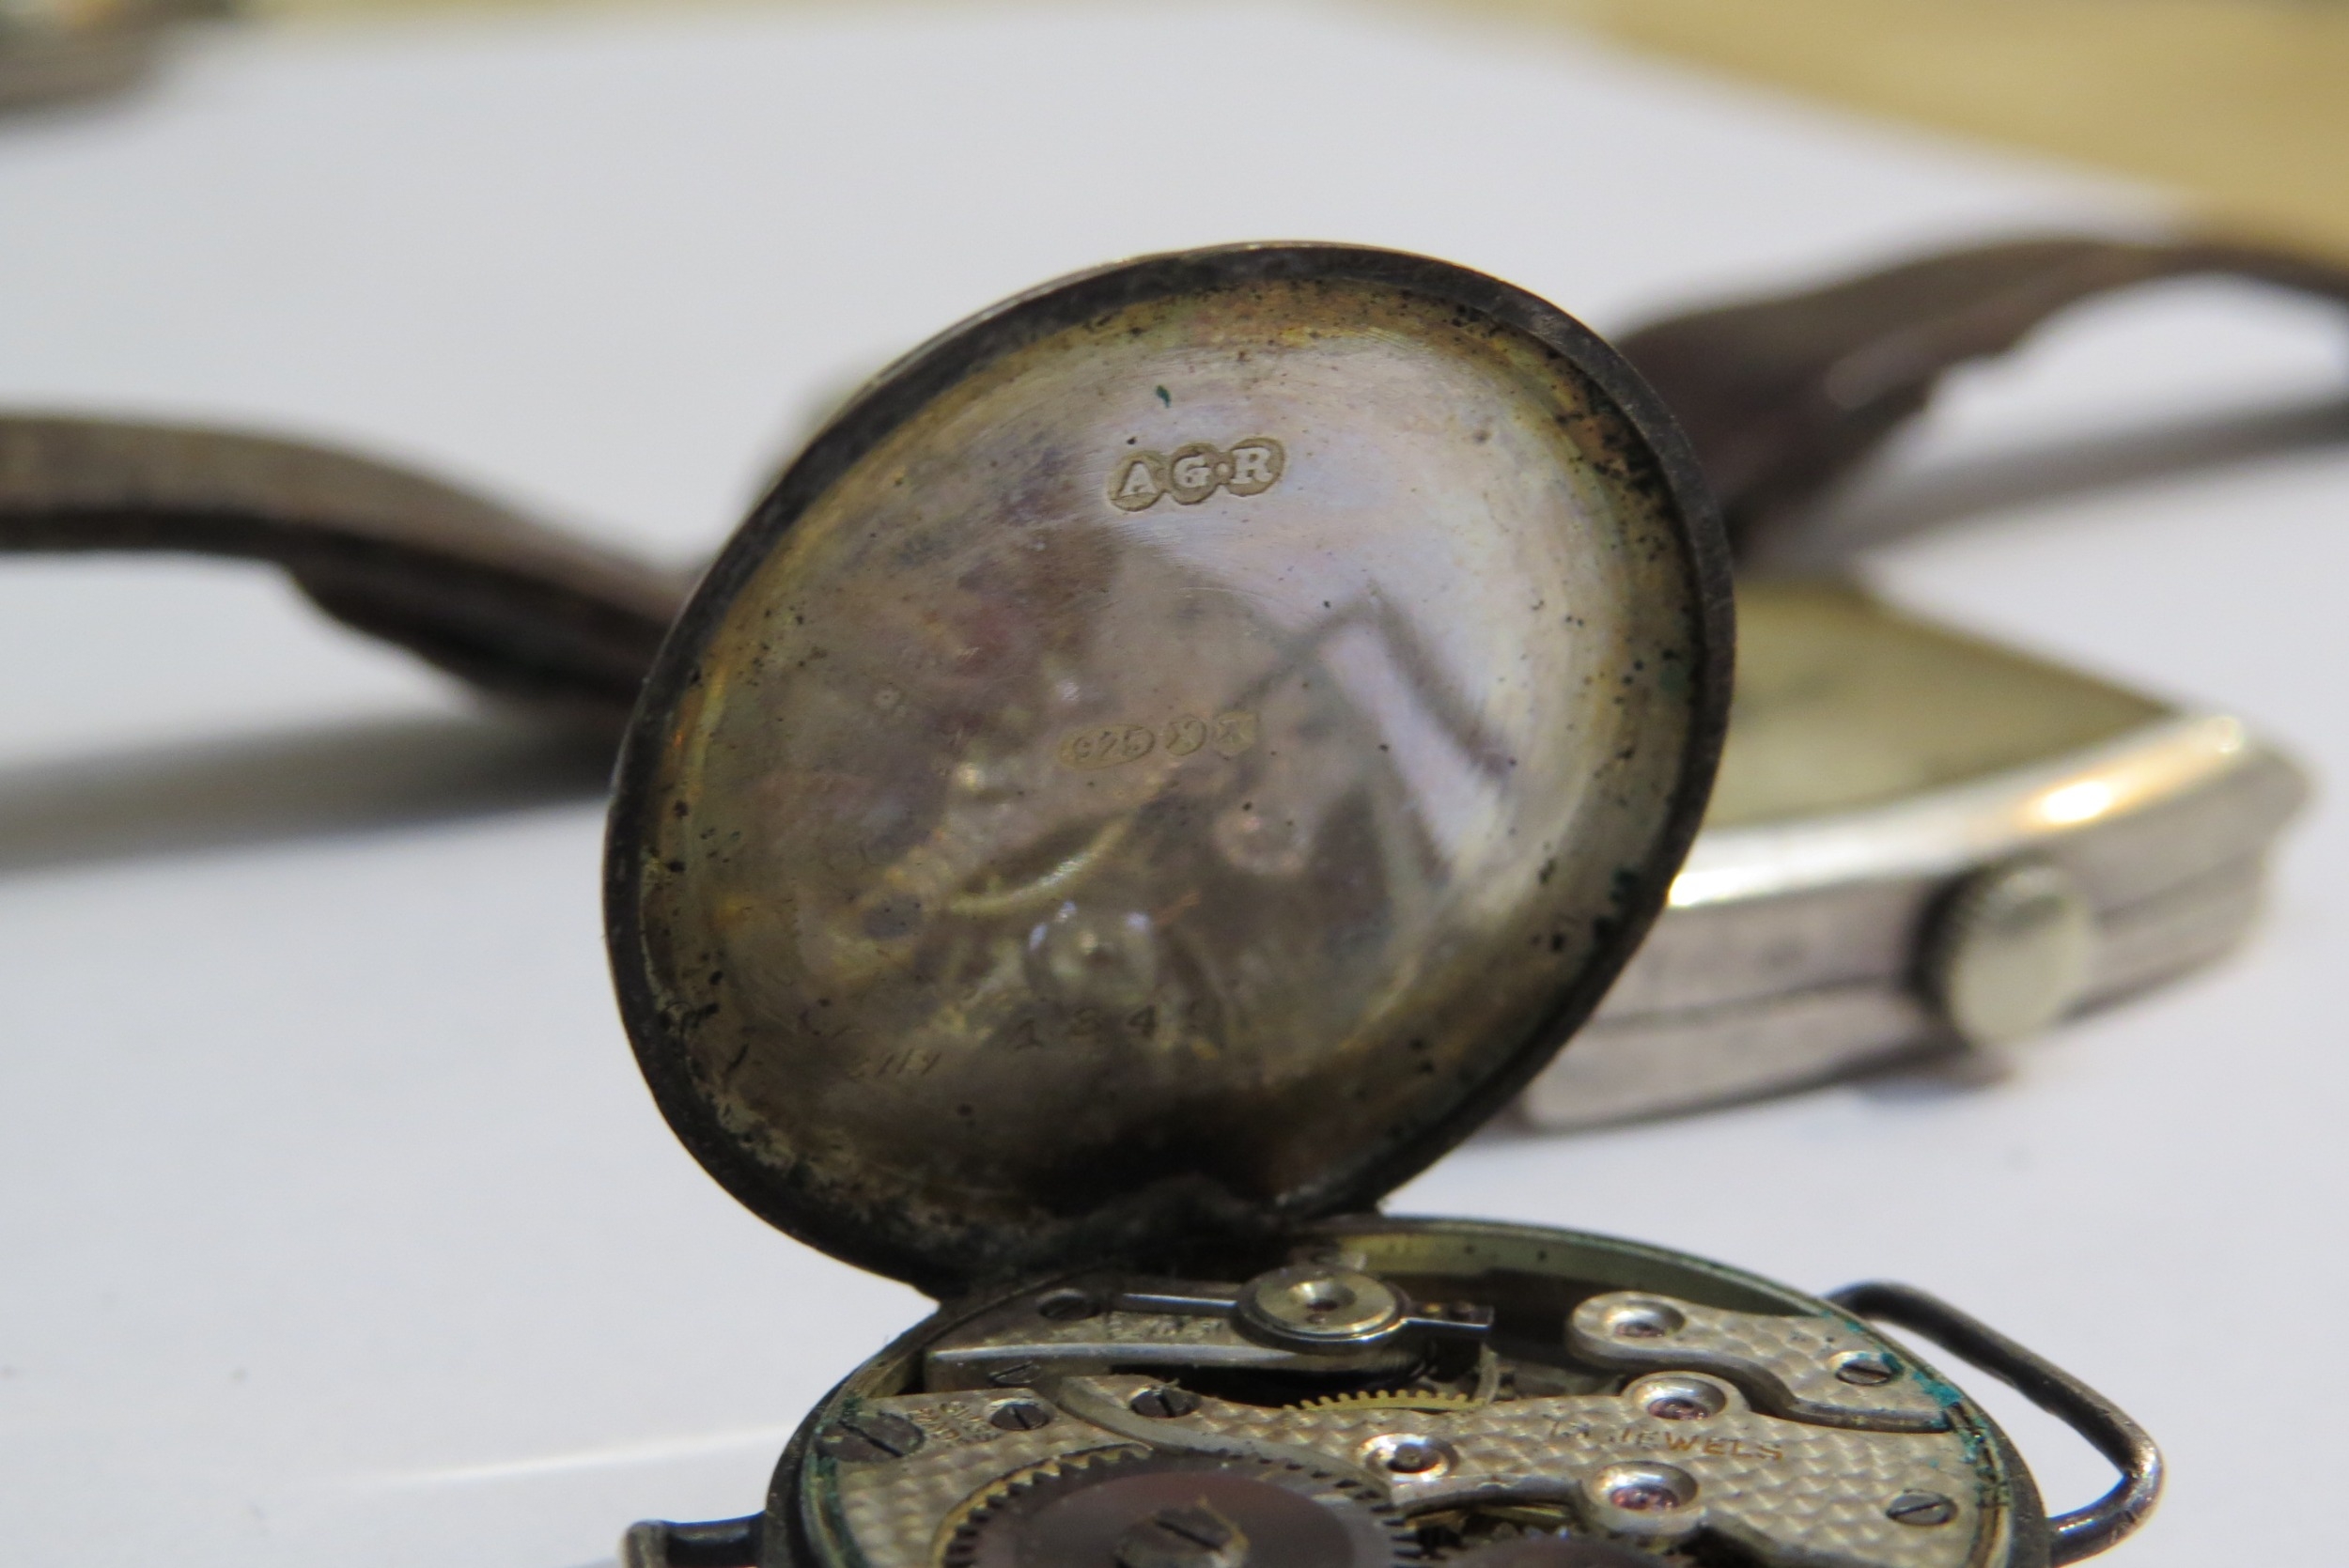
pixel 335 1223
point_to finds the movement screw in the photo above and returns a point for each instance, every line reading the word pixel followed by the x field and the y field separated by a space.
pixel 1921 1509
pixel 1019 1415
pixel 1162 1403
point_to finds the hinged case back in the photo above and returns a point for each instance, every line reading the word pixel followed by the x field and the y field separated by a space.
pixel 1175 754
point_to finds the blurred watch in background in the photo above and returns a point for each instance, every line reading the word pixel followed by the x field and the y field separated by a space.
pixel 1919 840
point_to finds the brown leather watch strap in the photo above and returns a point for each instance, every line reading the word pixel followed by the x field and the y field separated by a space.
pixel 521 610
pixel 1786 394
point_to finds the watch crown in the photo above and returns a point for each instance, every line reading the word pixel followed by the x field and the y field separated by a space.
pixel 2010 953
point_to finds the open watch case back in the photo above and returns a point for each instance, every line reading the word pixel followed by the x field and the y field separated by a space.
pixel 1172 759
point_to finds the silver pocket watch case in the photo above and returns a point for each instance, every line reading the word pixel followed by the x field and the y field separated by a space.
pixel 1174 756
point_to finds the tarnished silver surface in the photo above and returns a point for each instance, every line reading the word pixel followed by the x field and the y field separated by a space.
pixel 1175 760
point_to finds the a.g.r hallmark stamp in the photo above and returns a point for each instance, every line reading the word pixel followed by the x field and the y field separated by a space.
pixel 1193 473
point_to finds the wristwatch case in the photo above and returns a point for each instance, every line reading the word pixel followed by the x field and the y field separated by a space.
pixel 1921 840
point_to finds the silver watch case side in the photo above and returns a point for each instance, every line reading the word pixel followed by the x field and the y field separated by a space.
pixel 1800 946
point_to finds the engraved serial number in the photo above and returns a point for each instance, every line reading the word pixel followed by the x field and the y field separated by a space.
pixel 1193 473
pixel 1115 745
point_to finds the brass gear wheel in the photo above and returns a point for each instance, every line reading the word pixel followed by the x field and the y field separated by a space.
pixel 1117 1508
pixel 1431 1401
